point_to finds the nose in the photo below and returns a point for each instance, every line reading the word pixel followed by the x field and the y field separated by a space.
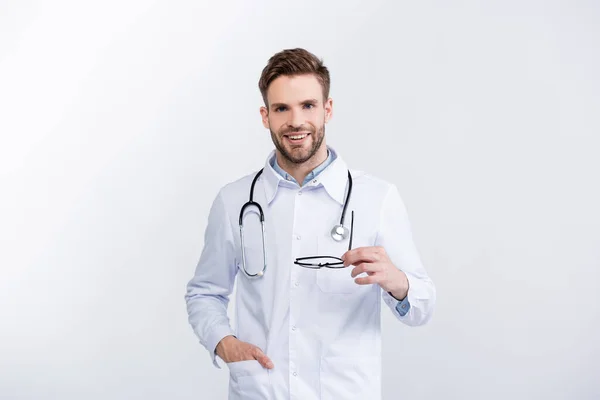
pixel 295 119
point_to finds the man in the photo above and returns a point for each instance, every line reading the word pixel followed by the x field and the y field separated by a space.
pixel 304 330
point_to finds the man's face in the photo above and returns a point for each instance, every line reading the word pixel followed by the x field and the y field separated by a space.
pixel 296 116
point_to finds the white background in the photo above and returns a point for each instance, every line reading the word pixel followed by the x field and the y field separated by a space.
pixel 120 121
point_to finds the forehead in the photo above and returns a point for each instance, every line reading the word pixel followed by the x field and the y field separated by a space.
pixel 290 89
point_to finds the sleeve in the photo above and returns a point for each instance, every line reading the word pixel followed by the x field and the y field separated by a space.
pixel 208 291
pixel 395 236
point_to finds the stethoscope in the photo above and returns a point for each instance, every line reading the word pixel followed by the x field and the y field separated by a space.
pixel 339 232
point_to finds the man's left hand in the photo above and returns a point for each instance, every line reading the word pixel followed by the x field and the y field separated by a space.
pixel 379 268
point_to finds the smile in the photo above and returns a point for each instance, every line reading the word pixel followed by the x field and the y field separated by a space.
pixel 297 138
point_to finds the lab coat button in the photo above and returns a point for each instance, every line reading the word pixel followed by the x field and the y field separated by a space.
pixel 297 284
pixel 293 328
pixel 298 237
pixel 295 373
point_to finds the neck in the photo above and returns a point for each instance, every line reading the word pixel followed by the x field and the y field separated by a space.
pixel 299 171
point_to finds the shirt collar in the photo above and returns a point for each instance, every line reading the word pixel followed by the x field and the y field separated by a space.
pixel 311 175
pixel 333 177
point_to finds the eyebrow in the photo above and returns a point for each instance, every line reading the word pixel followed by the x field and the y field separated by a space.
pixel 308 101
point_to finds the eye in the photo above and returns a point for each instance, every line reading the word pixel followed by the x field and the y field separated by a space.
pixel 309 105
pixel 279 109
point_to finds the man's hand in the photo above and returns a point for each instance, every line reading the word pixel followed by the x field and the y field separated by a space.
pixel 379 268
pixel 231 349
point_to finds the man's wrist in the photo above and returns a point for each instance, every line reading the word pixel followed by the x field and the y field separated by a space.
pixel 222 343
pixel 402 291
pixel 399 295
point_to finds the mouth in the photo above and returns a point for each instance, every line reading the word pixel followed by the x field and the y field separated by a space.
pixel 297 138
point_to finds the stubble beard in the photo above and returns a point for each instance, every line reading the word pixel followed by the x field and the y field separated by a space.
pixel 299 157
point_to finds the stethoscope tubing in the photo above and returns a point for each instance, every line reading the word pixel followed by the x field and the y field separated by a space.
pixel 252 203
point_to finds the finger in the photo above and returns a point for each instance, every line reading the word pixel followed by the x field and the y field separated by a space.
pixel 367 280
pixel 360 254
pixel 365 267
pixel 263 359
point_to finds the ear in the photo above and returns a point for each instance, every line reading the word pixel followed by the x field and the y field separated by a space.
pixel 328 109
pixel 265 116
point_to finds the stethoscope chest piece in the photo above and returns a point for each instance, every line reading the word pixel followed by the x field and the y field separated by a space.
pixel 339 233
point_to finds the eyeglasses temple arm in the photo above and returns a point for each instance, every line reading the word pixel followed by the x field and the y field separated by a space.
pixel 351 231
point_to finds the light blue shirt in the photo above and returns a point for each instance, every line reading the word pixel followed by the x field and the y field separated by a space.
pixel 311 175
pixel 403 306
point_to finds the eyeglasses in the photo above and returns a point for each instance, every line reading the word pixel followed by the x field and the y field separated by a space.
pixel 321 261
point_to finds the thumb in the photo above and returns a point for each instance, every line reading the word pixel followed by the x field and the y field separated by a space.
pixel 263 359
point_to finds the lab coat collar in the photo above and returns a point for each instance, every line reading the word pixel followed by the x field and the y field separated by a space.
pixel 334 178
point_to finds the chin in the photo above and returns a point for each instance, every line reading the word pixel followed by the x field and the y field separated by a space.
pixel 300 157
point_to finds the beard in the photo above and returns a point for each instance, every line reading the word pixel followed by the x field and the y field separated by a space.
pixel 298 154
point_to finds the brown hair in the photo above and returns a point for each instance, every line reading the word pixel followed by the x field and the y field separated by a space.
pixel 291 62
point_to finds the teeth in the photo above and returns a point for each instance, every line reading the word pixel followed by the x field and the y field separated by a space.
pixel 298 137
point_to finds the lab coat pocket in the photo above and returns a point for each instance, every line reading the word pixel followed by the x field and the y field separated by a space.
pixel 350 377
pixel 334 280
pixel 249 380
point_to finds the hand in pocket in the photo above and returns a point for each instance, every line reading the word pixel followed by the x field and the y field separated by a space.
pixel 231 349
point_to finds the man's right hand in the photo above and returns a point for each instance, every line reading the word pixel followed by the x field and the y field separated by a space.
pixel 231 349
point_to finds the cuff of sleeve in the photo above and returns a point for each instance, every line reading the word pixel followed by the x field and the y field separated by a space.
pixel 401 306
pixel 213 340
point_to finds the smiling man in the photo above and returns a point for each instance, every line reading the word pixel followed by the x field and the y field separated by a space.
pixel 331 244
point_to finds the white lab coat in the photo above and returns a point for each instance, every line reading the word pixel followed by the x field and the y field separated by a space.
pixel 320 329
